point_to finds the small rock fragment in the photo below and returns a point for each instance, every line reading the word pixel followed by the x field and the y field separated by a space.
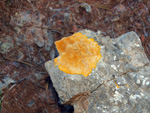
pixel 48 41
pixel 87 7
pixel 6 82
pixel 6 44
pixel 39 41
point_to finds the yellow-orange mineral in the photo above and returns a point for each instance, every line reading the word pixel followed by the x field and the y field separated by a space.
pixel 78 54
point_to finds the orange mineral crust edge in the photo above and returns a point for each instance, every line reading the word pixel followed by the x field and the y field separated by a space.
pixel 78 54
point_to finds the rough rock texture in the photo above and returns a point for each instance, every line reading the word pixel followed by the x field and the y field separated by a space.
pixel 120 83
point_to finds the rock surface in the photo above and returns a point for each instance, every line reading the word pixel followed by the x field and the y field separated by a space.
pixel 119 83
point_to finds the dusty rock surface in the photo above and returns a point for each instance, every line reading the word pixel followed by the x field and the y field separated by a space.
pixel 119 83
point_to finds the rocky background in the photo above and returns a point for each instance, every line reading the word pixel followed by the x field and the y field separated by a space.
pixel 28 30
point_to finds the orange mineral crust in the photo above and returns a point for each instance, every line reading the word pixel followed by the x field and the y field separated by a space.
pixel 78 54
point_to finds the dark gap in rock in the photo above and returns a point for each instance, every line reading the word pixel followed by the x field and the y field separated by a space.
pixel 56 53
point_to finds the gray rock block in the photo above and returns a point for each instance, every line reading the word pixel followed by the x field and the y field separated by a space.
pixel 120 83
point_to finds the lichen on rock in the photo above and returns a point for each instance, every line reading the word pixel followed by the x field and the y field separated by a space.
pixel 78 54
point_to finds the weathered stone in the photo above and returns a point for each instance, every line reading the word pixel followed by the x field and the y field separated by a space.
pixel 48 40
pixel 5 82
pixel 6 44
pixel 119 83
pixel 39 41
pixel 87 7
